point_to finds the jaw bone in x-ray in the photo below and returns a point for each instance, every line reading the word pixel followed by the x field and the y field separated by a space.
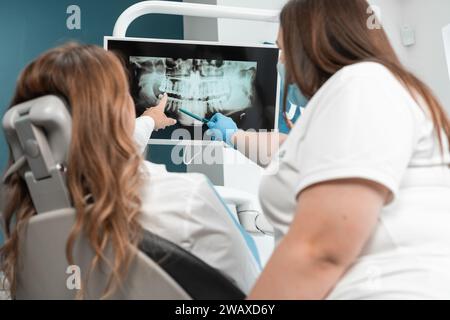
pixel 203 87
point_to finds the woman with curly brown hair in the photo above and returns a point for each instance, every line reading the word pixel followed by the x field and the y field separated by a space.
pixel 114 191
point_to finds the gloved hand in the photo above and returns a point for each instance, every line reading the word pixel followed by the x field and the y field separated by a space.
pixel 223 128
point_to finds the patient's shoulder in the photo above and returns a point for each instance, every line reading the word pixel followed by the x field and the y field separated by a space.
pixel 151 169
pixel 157 177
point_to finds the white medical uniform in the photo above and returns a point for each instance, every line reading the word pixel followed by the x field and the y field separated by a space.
pixel 186 210
pixel 364 124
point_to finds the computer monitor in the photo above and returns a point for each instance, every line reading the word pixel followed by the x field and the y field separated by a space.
pixel 203 78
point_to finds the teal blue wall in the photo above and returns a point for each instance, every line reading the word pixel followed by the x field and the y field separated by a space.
pixel 30 27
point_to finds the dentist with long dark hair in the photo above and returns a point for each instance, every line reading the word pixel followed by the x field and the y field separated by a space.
pixel 359 192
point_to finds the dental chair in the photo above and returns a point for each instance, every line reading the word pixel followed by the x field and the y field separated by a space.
pixel 39 133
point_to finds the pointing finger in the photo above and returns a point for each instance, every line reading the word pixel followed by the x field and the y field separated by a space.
pixel 162 104
pixel 171 121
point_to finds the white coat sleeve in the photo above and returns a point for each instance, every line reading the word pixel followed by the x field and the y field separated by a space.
pixel 143 131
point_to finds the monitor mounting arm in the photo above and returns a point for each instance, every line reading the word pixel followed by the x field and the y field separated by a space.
pixel 190 9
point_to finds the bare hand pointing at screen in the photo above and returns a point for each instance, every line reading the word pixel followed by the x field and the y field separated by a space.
pixel 158 115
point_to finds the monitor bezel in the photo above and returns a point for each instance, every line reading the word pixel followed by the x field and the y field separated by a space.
pixel 107 39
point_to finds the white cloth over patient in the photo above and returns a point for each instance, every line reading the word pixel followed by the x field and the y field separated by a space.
pixel 186 210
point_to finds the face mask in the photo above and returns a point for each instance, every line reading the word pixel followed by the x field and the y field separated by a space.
pixel 295 96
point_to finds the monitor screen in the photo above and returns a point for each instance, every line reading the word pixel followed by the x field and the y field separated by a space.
pixel 203 78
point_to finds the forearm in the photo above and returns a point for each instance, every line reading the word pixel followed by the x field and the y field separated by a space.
pixel 295 273
pixel 257 146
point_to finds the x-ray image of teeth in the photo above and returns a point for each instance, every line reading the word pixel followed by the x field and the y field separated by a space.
pixel 203 87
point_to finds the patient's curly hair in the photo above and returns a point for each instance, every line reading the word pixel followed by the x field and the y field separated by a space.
pixel 103 169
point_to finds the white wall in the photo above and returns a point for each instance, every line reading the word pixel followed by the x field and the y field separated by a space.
pixel 446 35
pixel 249 32
pixel 427 58
pixel 233 31
pixel 203 29
pixel 391 12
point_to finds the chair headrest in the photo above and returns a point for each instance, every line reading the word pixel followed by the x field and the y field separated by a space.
pixel 39 134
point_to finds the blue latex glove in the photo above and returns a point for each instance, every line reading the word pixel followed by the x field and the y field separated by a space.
pixel 223 128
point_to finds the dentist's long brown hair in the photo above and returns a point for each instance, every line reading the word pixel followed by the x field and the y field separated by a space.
pixel 323 36
pixel 103 164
